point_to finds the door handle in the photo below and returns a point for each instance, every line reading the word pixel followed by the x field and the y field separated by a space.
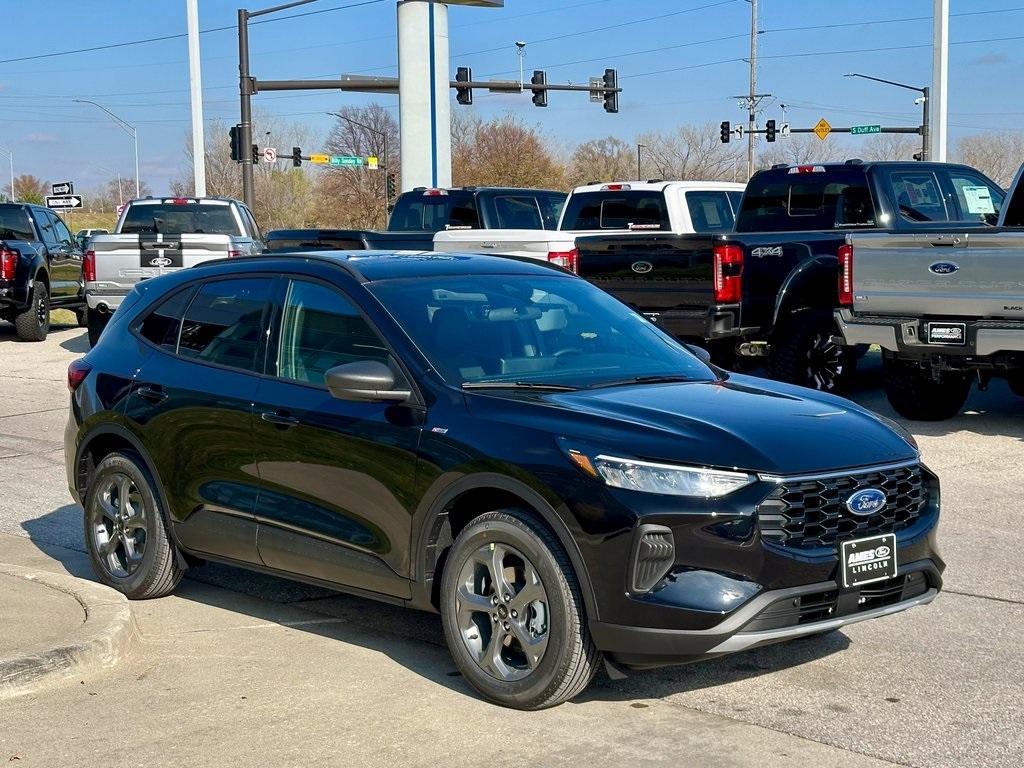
pixel 152 393
pixel 279 419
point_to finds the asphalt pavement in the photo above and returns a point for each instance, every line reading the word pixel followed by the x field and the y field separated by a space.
pixel 243 669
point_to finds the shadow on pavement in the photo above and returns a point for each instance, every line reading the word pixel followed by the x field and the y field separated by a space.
pixel 78 344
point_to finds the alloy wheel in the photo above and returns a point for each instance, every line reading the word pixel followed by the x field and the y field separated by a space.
pixel 502 609
pixel 42 309
pixel 826 363
pixel 118 525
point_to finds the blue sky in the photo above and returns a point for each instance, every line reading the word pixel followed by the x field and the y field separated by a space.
pixel 679 61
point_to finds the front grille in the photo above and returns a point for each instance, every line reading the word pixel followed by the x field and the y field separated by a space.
pixel 812 514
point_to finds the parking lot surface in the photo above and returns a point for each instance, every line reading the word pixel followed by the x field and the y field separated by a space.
pixel 243 669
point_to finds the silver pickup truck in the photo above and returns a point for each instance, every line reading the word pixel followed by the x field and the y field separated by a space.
pixel 159 235
pixel 946 307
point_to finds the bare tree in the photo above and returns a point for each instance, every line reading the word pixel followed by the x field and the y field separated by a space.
pixel 802 149
pixel 606 159
pixel 998 155
pixel 692 152
pixel 503 151
pixel 356 196
pixel 890 146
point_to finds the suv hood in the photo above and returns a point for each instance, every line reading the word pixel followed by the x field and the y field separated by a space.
pixel 741 422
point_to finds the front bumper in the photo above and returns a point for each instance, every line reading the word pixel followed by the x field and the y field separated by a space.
pixel 772 617
pixel 907 338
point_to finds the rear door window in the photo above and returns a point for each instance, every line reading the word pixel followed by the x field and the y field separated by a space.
pixel 616 209
pixel 45 224
pixel 15 224
pixel 177 219
pixel 709 211
pixel 976 197
pixel 60 230
pixel 917 196
pixel 224 323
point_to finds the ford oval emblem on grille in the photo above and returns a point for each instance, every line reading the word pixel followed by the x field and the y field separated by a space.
pixel 866 502
pixel 642 267
pixel 944 268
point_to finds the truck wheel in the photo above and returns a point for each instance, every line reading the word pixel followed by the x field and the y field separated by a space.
pixel 513 613
pixel 82 316
pixel 34 322
pixel 916 395
pixel 808 351
pixel 95 323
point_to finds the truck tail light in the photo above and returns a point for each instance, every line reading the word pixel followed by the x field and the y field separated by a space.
pixel 77 372
pixel 566 259
pixel 728 273
pixel 8 263
pixel 89 266
pixel 234 254
pixel 846 275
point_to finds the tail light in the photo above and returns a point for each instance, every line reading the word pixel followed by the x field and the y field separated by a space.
pixel 234 254
pixel 77 372
pixel 728 273
pixel 89 267
pixel 846 275
pixel 566 259
pixel 8 263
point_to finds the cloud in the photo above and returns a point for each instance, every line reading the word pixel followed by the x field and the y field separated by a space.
pixel 41 138
pixel 990 60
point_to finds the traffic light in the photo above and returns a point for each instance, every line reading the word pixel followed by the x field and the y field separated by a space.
pixel 769 130
pixel 391 187
pixel 540 95
pixel 235 137
pixel 297 157
pixel 255 155
pixel 726 131
pixel 611 98
pixel 464 95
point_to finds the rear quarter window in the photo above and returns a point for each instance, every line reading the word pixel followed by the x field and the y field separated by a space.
pixel 15 224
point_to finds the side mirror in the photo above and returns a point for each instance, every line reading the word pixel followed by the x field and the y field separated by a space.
pixel 700 353
pixel 366 381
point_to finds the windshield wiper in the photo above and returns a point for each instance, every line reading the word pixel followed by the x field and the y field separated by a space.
pixel 656 379
pixel 518 385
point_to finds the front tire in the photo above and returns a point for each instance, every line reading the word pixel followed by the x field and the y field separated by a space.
pixel 513 613
pixel 126 531
pixel 807 351
pixel 33 323
pixel 916 395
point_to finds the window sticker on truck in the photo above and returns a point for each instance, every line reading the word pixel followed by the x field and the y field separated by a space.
pixel 979 200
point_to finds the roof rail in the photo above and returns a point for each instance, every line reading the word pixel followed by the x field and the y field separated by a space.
pixel 655 181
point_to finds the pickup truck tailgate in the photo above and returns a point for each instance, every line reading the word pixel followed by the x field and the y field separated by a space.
pixel 948 274
pixel 126 259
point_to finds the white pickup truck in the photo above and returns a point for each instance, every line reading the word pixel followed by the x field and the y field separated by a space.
pixel 679 207
pixel 945 305
pixel 155 236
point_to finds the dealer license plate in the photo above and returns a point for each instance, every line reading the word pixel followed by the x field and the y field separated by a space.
pixel 947 333
pixel 866 560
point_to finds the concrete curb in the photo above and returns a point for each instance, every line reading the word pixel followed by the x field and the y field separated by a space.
pixel 106 636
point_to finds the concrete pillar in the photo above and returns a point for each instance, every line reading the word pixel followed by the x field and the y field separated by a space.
pixel 940 82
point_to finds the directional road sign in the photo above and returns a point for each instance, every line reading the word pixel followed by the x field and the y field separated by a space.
pixel 823 129
pixel 784 129
pixel 859 130
pixel 64 202
pixel 269 155
pixel 62 188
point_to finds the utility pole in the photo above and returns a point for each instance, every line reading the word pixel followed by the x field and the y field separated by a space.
pixel 752 96
pixel 195 81
pixel 940 82
pixel 924 100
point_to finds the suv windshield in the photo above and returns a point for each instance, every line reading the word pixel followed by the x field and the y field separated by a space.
pixel 616 209
pixel 174 219
pixel 538 330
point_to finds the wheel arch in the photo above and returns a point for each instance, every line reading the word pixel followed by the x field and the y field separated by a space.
pixel 454 506
pixel 811 285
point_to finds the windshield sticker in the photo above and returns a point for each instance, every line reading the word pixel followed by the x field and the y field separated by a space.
pixel 979 200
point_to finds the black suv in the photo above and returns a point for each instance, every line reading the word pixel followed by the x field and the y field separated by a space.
pixel 496 440
pixel 40 269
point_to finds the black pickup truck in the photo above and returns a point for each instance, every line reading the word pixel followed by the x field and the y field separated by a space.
pixel 420 213
pixel 40 269
pixel 768 289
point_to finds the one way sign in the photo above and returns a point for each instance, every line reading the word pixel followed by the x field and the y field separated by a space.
pixel 63 202
pixel 62 188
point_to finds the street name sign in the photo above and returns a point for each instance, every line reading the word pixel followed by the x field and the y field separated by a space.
pixel 348 160
pixel 860 130
pixel 64 202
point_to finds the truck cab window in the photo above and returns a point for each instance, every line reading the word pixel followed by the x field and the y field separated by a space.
pixel 978 199
pixel 917 196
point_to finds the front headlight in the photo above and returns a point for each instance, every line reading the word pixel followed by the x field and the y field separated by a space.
pixel 669 479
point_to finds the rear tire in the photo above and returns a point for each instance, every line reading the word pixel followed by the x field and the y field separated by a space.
pixel 126 530
pixel 82 317
pixel 34 322
pixel 916 395
pixel 95 323
pixel 538 652
pixel 805 351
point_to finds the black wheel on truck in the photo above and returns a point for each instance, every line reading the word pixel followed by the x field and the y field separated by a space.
pixel 807 350
pixel 82 317
pixel 915 394
pixel 95 323
pixel 33 323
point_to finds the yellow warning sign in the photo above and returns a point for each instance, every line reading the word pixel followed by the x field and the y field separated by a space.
pixel 372 163
pixel 320 159
pixel 823 129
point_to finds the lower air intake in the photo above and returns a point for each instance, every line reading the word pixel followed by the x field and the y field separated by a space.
pixel 654 552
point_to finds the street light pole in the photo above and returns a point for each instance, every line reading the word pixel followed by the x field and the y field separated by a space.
pixel 387 168
pixel 925 121
pixel 128 128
